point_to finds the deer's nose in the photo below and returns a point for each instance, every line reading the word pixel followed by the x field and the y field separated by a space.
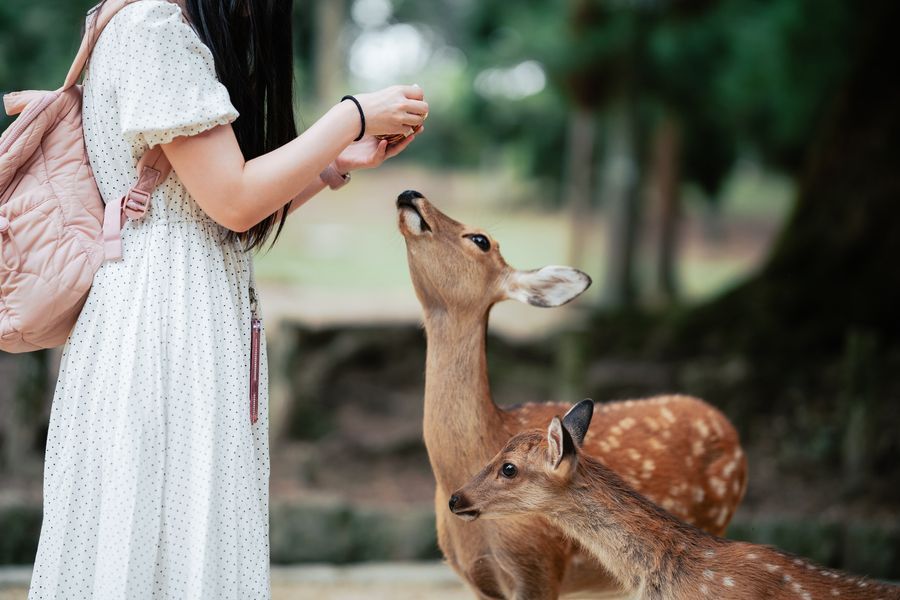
pixel 454 500
pixel 407 197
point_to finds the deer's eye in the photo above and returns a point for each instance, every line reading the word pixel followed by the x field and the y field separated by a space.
pixel 509 470
pixel 480 241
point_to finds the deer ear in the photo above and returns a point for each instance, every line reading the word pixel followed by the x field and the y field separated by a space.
pixel 561 444
pixel 578 419
pixel 547 287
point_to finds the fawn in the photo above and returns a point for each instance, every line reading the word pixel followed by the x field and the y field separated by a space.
pixel 677 450
pixel 652 554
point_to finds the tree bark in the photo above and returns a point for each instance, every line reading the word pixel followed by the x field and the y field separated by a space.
pixel 834 268
pixel 666 186
pixel 579 166
pixel 620 195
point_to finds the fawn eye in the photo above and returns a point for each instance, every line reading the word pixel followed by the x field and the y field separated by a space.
pixel 509 470
pixel 480 241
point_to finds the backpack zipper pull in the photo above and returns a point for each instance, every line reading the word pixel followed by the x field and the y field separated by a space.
pixel 255 327
pixel 255 330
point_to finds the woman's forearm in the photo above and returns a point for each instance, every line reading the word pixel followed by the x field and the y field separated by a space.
pixel 239 194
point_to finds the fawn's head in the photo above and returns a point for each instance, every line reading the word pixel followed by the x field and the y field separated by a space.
pixel 454 266
pixel 529 473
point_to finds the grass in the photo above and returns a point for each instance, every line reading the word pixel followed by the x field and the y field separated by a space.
pixel 347 241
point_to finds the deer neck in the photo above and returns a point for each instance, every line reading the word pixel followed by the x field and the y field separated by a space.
pixel 463 427
pixel 644 547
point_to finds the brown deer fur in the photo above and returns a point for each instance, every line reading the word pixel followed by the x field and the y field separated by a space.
pixel 654 555
pixel 679 451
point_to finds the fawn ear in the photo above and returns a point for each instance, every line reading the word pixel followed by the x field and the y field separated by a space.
pixel 547 287
pixel 561 444
pixel 578 419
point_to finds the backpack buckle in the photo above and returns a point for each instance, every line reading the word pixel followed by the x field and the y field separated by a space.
pixel 135 203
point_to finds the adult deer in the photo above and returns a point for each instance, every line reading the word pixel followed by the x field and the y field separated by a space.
pixel 652 554
pixel 679 451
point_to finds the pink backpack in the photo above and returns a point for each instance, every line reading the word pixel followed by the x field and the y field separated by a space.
pixel 54 229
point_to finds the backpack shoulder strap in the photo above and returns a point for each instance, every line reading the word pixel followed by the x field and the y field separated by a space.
pixel 152 168
pixel 99 18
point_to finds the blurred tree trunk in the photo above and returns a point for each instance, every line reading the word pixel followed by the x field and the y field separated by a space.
pixel 666 193
pixel 834 268
pixel 330 16
pixel 579 166
pixel 621 198
pixel 28 380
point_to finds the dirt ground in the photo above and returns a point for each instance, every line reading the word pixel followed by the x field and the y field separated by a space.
pixel 395 581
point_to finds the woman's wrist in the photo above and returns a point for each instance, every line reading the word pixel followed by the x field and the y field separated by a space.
pixel 348 117
pixel 333 177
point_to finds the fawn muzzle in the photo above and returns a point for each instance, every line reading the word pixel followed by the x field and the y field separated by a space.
pixel 462 508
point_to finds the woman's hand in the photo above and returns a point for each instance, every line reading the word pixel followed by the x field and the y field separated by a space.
pixel 395 109
pixel 370 152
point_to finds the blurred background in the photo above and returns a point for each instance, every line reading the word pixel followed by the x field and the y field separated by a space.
pixel 725 170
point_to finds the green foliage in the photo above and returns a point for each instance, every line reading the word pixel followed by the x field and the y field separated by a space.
pixel 38 41
pixel 21 526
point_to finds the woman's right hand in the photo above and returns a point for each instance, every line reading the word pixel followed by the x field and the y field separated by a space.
pixel 395 109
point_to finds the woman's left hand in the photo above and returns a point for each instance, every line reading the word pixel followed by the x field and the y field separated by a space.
pixel 370 152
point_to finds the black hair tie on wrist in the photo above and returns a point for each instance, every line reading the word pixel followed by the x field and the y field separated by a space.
pixel 362 116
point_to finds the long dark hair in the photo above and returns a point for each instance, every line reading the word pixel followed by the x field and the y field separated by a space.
pixel 252 45
pixel 251 42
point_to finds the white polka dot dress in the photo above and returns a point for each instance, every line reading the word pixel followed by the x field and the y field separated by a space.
pixel 156 483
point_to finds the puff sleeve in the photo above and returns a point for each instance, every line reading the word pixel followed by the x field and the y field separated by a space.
pixel 166 85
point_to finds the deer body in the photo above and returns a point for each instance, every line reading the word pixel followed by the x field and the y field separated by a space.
pixel 676 449
pixel 651 553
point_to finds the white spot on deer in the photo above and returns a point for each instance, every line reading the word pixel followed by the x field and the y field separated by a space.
pixel 797 587
pixel 701 427
pixel 708 553
pixel 613 441
pixel 697 447
pixel 806 596
pixel 718 486
pixel 666 434
pixel 787 578
pixel 667 415
pixel 627 423
pixel 772 568
pixel 704 589
pixel 633 454
pixel 652 424
pixel 862 584
pixel 667 503
pixel 648 465
pixel 708 574
pixel 699 494
pixel 835 592
pixel 728 582
pixel 728 469
pixel 735 487
pixel 656 444
pixel 752 556
pixel 723 516
pixel 615 430
pixel 678 489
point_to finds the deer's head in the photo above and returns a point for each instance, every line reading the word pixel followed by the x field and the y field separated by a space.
pixel 529 473
pixel 454 266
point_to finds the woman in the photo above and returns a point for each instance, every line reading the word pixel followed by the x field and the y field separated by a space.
pixel 156 476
